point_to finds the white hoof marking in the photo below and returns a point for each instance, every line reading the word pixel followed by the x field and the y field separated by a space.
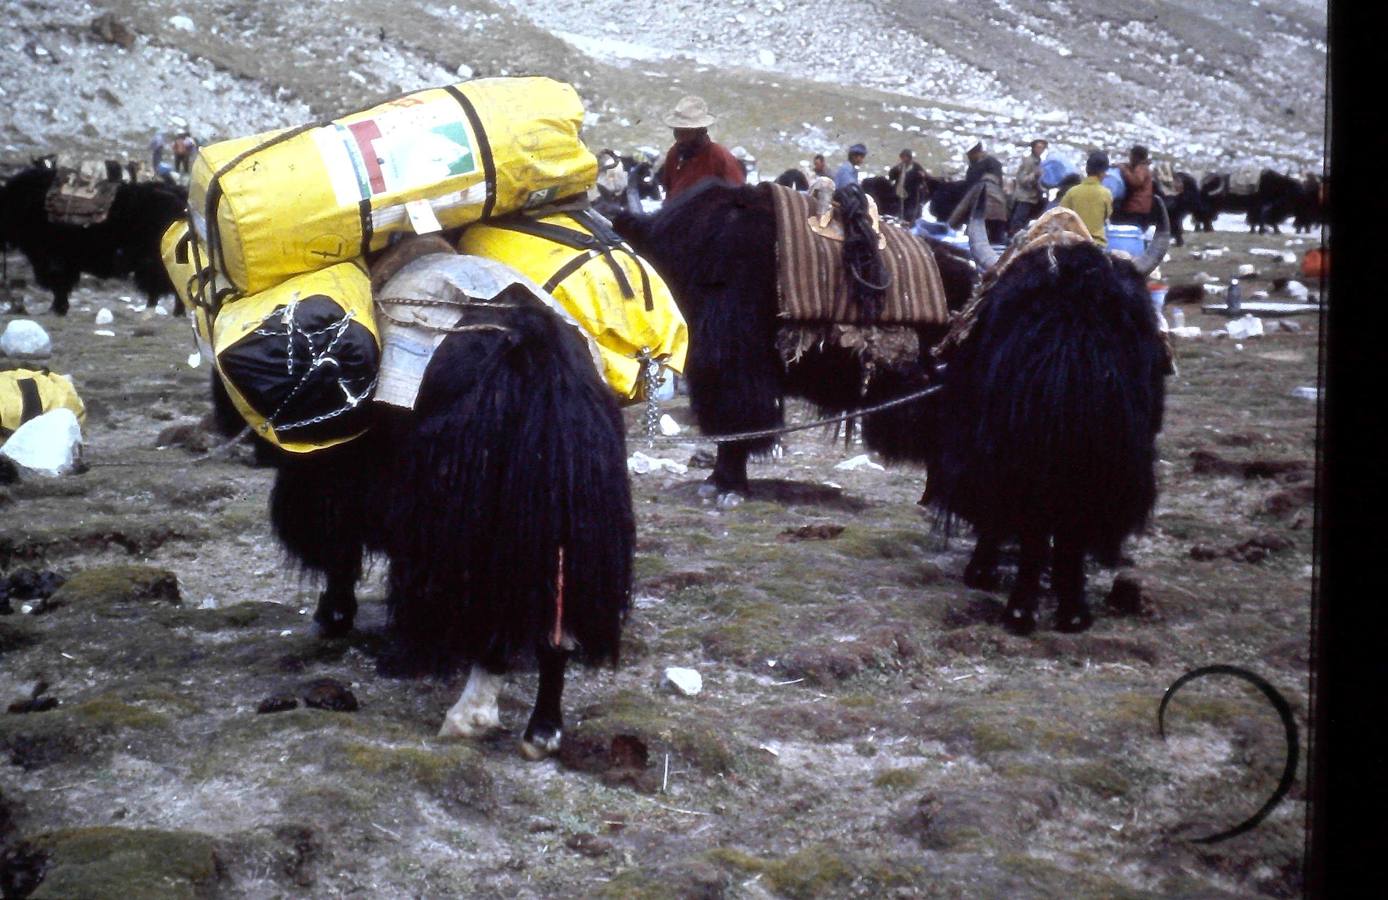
pixel 538 750
pixel 475 714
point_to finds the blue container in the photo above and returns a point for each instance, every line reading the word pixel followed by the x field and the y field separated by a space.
pixel 1113 180
pixel 1054 169
pixel 1127 238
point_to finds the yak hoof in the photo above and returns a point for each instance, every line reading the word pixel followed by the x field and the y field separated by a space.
pixel 1020 622
pixel 1074 622
pixel 334 623
pixel 476 723
pixel 540 746
pixel 983 579
pixel 729 500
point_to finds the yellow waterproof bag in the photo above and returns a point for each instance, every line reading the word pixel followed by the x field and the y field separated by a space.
pixel 614 294
pixel 29 393
pixel 300 360
pixel 274 205
pixel 180 261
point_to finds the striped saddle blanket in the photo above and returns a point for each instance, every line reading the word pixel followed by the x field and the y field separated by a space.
pixel 812 284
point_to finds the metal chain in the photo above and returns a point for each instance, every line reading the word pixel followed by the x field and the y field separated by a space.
pixel 652 377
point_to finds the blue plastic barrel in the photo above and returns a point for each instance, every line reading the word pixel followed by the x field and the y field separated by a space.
pixel 1127 238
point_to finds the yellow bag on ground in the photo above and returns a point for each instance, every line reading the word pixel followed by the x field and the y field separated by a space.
pixel 296 200
pixel 29 393
pixel 300 360
pixel 614 294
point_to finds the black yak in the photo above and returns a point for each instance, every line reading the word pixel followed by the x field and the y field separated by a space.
pixel 1046 424
pixel 716 249
pixel 500 502
pixel 1187 201
pixel 620 176
pixel 125 244
pixel 793 178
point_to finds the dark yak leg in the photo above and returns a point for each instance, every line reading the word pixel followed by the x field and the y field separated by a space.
pixel 729 471
pixel 982 569
pixel 337 605
pixel 545 729
pixel 1067 578
pixel 1020 616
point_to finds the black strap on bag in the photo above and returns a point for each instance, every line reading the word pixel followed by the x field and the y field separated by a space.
pixel 603 241
pixel 30 403
pixel 484 147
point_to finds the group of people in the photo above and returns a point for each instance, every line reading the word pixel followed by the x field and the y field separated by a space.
pixel 695 156
pixel 182 147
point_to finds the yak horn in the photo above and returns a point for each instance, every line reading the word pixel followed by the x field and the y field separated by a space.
pixel 979 248
pixel 1153 255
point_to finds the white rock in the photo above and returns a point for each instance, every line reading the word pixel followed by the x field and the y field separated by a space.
pixel 859 462
pixel 104 316
pixel 194 359
pixel 464 71
pixel 25 339
pixel 1246 270
pixel 766 57
pixel 104 332
pixel 1297 291
pixel 182 23
pixel 1245 327
pixel 1187 331
pixel 1307 393
pixel 641 464
pixel 50 444
pixel 686 681
pixel 668 426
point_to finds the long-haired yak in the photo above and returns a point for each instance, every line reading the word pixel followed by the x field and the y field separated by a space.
pixel 500 502
pixel 1046 418
pixel 124 245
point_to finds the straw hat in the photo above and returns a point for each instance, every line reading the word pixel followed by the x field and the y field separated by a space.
pixel 690 112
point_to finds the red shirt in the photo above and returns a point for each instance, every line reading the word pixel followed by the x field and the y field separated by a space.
pixel 712 161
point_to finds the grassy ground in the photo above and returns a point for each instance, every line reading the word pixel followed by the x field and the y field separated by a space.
pixel 865 729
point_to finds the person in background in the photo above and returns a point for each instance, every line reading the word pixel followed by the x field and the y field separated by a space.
pixel 1091 199
pixel 908 180
pixel 1026 194
pixel 1136 205
pixel 847 172
pixel 985 174
pixel 695 156
pixel 819 168
pixel 184 149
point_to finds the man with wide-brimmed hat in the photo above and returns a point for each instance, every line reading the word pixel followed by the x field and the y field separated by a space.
pixel 694 155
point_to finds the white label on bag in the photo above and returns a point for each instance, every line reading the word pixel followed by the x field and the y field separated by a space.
pixel 422 218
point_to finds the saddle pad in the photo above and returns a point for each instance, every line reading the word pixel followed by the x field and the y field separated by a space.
pixel 74 200
pixel 812 284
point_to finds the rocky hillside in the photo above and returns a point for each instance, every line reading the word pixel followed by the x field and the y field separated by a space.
pixel 1218 83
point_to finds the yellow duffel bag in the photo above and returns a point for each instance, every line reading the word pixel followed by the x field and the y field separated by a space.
pixel 29 393
pixel 180 261
pixel 614 294
pixel 285 202
pixel 300 360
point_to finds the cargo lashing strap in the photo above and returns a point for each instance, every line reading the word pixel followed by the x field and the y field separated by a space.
pixel 602 242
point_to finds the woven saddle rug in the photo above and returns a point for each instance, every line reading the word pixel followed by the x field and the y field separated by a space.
pixel 78 199
pixel 812 284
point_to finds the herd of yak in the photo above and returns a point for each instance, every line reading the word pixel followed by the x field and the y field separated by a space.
pixel 1040 429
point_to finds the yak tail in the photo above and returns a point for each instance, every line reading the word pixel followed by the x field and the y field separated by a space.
pixel 512 460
